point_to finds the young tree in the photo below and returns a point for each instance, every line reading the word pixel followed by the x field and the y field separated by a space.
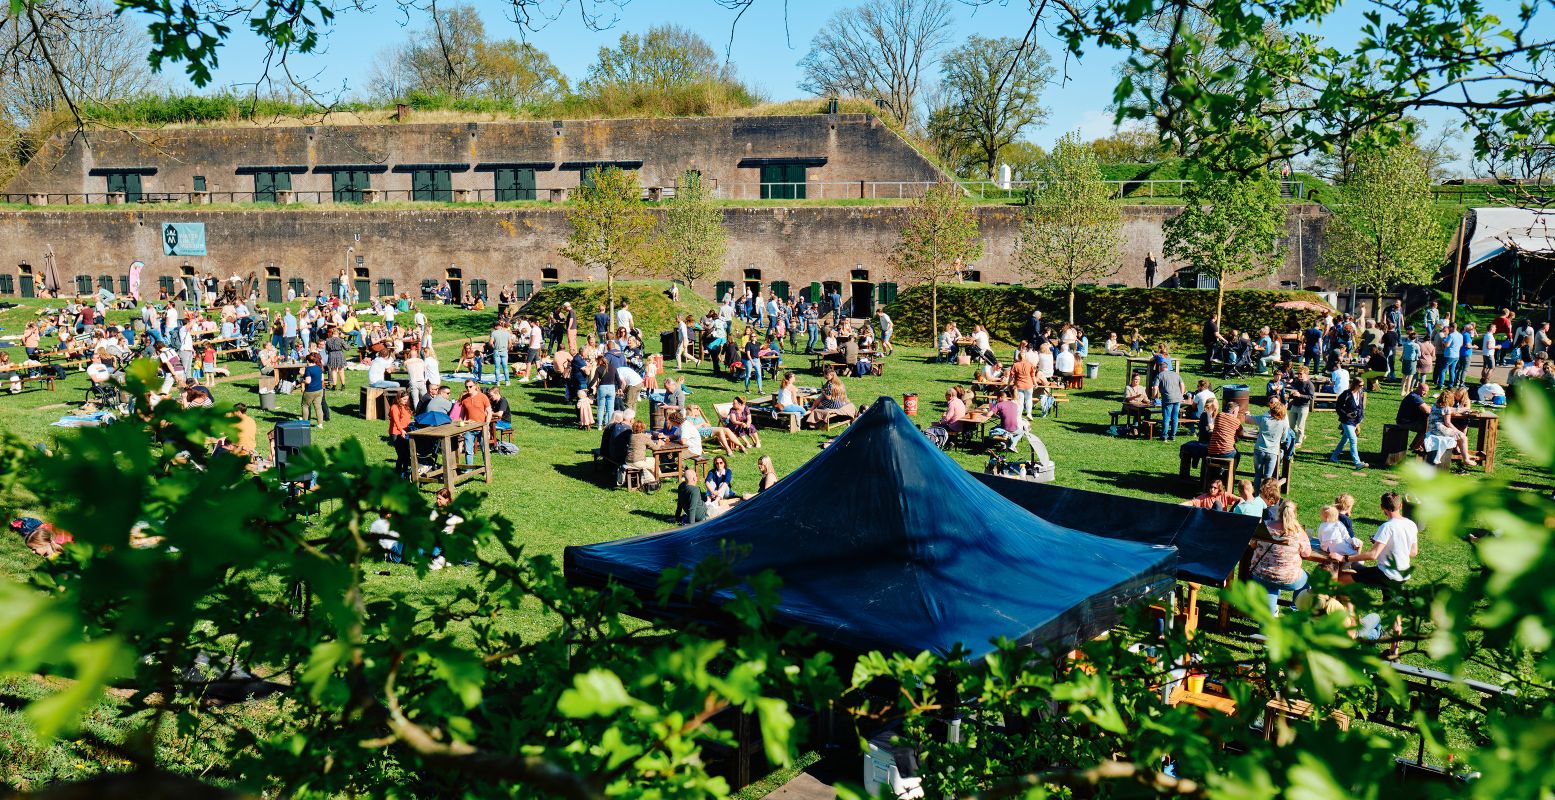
pixel 689 241
pixel 1072 231
pixel 1383 229
pixel 1228 228
pixel 667 55
pixel 938 241
pixel 877 51
pixel 993 90
pixel 610 227
pixel 453 56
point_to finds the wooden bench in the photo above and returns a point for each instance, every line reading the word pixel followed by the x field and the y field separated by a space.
pixel 46 380
pixel 1325 401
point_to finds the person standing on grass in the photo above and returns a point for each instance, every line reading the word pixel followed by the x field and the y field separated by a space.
pixel 1273 430
pixel 501 340
pixel 1167 387
pixel 400 418
pixel 887 329
pixel 1351 409
pixel 624 319
pixel 603 386
pixel 313 390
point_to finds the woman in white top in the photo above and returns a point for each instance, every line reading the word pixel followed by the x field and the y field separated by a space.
pixel 1045 361
pixel 788 395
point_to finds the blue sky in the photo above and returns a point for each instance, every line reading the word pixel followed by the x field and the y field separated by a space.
pixel 767 45
pixel 762 52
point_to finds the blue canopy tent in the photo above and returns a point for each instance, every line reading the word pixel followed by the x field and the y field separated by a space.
pixel 1209 544
pixel 883 542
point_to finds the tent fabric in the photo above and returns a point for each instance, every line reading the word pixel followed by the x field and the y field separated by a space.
pixel 1529 231
pixel 883 542
pixel 1209 543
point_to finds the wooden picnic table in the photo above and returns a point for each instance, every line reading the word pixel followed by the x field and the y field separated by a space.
pixel 1487 426
pixel 292 368
pixel 668 448
pixel 451 472
pixel 1141 364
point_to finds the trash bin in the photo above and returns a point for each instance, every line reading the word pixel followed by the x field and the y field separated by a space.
pixel 910 404
pixel 1092 368
pixel 1234 394
pixel 667 343
pixel 267 401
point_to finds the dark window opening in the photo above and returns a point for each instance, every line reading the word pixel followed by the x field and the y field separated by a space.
pixel 266 184
pixel 783 182
pixel 455 278
pixel 199 183
pixel 861 302
pixel 432 185
pixel 349 185
pixel 753 281
pixel 549 277
pixel 514 184
pixel 364 284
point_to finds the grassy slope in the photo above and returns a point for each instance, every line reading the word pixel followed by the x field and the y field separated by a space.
pixel 551 480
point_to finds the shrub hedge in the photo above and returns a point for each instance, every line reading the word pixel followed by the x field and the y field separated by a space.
pixel 1175 315
pixel 652 310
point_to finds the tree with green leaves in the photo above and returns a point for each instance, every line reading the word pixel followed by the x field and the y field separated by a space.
pixel 1383 229
pixel 992 92
pixel 454 57
pixel 939 241
pixel 1072 232
pixel 610 227
pixel 689 242
pixel 1228 228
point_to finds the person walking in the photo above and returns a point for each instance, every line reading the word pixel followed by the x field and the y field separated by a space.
pixel 313 390
pixel 1167 387
pixel 1351 408
pixel 1150 265
pixel 501 341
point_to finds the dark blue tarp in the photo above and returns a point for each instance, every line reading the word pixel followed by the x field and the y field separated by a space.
pixel 883 542
pixel 1209 543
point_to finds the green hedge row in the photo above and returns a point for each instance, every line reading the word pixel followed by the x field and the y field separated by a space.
pixel 1175 315
pixel 652 310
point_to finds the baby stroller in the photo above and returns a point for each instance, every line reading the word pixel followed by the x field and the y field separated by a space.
pixel 1236 360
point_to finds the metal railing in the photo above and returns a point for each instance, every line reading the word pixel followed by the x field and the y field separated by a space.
pixel 1014 192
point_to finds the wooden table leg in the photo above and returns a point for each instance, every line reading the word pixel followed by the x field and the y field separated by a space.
pixel 450 456
pixel 1488 430
pixel 486 450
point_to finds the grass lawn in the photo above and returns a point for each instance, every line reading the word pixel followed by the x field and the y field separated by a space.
pixel 555 497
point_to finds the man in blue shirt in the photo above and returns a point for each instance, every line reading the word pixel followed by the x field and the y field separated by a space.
pixel 288 331
pixel 1452 371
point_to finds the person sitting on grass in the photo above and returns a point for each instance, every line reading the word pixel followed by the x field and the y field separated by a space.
pixel 720 479
pixel 742 425
pixel 690 505
pixel 1215 499
pixel 1248 503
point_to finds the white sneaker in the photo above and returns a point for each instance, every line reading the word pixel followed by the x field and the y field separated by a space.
pixel 439 562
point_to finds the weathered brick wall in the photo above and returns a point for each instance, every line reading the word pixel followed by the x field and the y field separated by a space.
pixel 856 147
pixel 798 244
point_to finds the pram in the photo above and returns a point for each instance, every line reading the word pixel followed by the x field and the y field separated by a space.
pixel 1040 469
pixel 1236 359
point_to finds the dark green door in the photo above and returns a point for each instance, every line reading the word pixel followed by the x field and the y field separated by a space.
pixel 7 285
pixel 27 289
pixel 385 287
pixel 363 288
pixel 127 183
pixel 348 186
pixel 783 182
pixel 267 183
pixel 722 290
pixel 273 290
pixel 515 184
pixel 432 185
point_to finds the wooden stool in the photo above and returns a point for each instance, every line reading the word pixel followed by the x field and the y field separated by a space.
pixel 631 479
pixel 369 402
pixel 1395 443
pixel 1146 429
pixel 701 463
pixel 504 435
pixel 1222 469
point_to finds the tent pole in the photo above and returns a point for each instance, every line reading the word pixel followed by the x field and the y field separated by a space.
pixel 1457 272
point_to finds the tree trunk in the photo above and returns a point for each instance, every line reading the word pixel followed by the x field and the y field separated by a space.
pixel 1220 297
pixel 610 300
pixel 1071 302
pixel 934 310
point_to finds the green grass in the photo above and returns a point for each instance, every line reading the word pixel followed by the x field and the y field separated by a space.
pixel 557 499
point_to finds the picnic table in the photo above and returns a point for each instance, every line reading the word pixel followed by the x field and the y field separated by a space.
pixel 450 472
pixel 290 371
pixel 1486 426
pixel 668 449
pixel 1136 364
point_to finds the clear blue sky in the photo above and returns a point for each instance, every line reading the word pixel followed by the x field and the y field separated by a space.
pixel 766 47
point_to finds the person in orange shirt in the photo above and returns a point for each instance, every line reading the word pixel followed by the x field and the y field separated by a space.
pixel 477 414
pixel 400 417
pixel 1023 377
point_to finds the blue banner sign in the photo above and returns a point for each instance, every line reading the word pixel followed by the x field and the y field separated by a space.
pixel 183 238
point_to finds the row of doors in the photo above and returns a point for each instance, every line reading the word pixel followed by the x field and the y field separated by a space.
pixel 859 297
